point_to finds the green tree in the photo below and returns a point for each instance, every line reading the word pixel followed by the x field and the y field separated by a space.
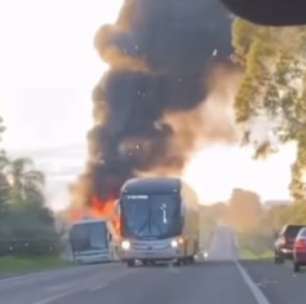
pixel 2 128
pixel 4 186
pixel 244 211
pixel 4 193
pixel 26 183
pixel 27 226
pixel 274 90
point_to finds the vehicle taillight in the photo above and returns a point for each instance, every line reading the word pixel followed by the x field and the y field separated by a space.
pixel 300 245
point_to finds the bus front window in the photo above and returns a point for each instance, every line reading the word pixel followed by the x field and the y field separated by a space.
pixel 89 236
pixel 136 214
pixel 165 216
pixel 154 216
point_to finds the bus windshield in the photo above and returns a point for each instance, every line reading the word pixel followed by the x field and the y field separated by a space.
pixel 151 216
pixel 89 236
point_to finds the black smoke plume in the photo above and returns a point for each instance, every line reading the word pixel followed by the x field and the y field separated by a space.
pixel 161 54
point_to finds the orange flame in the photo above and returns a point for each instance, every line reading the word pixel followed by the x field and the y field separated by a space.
pixel 100 209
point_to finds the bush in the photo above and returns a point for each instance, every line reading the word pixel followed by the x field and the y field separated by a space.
pixel 29 247
pixel 25 231
pixel 257 242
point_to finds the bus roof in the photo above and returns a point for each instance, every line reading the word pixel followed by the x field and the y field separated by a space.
pixel 89 221
pixel 151 185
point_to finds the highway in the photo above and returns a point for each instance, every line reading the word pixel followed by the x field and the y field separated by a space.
pixel 220 280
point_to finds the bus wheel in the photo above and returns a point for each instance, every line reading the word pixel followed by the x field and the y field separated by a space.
pixel 296 267
pixel 191 260
pixel 185 261
pixel 131 263
pixel 147 263
pixel 178 262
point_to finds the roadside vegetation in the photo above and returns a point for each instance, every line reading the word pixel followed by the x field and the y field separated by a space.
pixel 273 92
pixel 11 265
pixel 210 217
pixel 255 224
pixel 28 238
pixel 257 243
pixel 270 111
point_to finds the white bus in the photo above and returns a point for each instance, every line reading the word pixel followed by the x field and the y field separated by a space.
pixel 91 242
pixel 159 221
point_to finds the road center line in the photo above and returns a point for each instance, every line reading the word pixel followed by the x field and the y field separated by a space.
pixel 85 288
pixel 110 281
pixel 57 296
pixel 257 293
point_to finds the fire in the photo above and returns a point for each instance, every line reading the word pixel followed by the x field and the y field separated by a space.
pixel 100 209
pixel 103 209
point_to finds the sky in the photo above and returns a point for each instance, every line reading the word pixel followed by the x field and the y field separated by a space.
pixel 215 171
pixel 48 69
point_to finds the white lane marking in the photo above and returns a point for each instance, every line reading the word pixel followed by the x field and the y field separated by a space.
pixel 58 296
pixel 100 287
pixel 257 293
pixel 111 280
pixel 86 287
pixel 60 288
pixel 45 276
pixel 38 275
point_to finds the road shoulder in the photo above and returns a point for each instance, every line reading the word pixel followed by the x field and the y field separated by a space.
pixel 277 282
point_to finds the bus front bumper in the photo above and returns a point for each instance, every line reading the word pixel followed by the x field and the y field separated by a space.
pixel 87 258
pixel 152 251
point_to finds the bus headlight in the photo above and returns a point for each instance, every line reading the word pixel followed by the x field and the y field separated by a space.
pixel 126 245
pixel 174 243
pixel 181 241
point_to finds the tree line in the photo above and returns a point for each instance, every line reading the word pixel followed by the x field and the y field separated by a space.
pixel 273 91
pixel 255 223
pixel 27 226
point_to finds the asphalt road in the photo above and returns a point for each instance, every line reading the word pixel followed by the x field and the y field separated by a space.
pixel 220 280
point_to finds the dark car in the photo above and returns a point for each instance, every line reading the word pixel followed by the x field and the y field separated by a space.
pixel 299 250
pixel 283 246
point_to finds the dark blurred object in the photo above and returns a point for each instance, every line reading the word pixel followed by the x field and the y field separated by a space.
pixel 270 12
pixel 30 247
pixel 299 251
pixel 284 243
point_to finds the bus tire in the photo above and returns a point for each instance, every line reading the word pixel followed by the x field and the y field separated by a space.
pixel 296 267
pixel 148 263
pixel 130 263
pixel 178 262
pixel 191 260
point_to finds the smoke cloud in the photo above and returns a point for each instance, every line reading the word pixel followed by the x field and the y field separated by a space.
pixel 166 59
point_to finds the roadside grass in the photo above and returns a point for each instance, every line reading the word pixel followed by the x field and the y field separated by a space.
pixel 22 265
pixel 247 254
pixel 255 246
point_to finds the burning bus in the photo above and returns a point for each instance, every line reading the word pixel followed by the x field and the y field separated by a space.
pixel 95 228
pixel 159 221
pixel 91 242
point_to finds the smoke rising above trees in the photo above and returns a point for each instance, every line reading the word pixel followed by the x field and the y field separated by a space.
pixel 162 58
